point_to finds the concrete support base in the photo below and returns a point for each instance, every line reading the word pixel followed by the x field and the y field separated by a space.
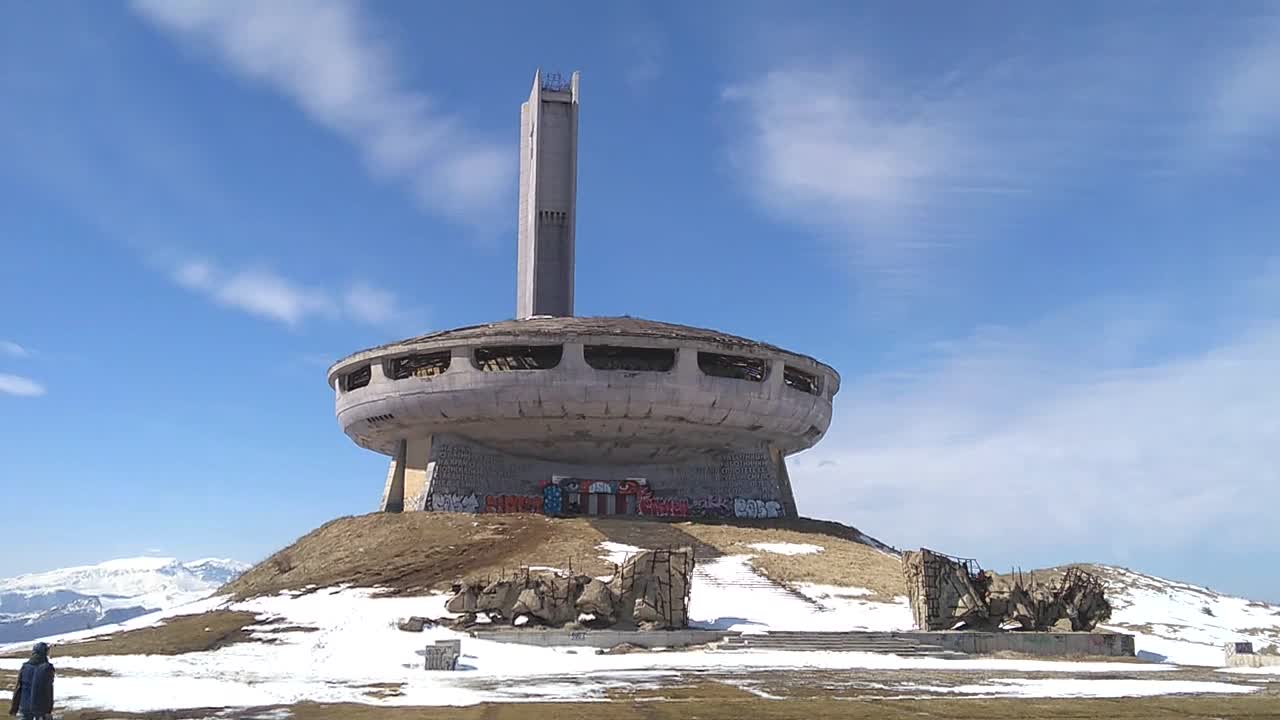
pixel 393 491
pixel 785 494
pixel 451 473
pixel 408 476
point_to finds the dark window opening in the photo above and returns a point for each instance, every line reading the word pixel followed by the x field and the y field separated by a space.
pixel 421 366
pixel 380 419
pixel 356 379
pixel 732 366
pixel 800 380
pixel 812 433
pixel 518 357
pixel 612 357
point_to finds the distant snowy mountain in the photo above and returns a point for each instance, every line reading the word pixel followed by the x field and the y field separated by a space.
pixel 78 598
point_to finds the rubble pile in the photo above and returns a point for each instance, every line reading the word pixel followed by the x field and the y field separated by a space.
pixel 650 590
pixel 949 593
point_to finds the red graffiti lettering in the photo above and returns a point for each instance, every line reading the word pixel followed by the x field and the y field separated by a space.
pixel 513 504
pixel 664 507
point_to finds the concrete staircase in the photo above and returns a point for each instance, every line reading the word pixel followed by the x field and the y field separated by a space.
pixel 872 642
pixel 745 579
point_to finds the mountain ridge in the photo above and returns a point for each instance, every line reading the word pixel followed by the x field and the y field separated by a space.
pixel 65 600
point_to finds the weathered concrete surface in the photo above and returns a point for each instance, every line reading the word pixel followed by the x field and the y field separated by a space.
pixel 1241 654
pixel 650 590
pixel 605 638
pixel 575 413
pixel 468 477
pixel 949 593
pixel 967 643
pixel 548 199
pixel 1044 644
pixel 654 394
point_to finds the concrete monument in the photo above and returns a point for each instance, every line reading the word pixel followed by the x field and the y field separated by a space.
pixel 564 415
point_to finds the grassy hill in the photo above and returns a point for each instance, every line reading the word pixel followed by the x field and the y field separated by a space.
pixel 415 553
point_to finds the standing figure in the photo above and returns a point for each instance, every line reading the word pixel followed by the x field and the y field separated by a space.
pixel 33 697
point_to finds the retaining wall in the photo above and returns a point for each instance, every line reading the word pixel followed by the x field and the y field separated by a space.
pixel 604 638
pixel 1045 644
pixel 1241 654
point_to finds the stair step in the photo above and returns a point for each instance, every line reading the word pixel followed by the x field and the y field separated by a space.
pixel 807 640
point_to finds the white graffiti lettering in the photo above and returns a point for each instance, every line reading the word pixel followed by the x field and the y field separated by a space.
pixel 751 508
pixel 451 502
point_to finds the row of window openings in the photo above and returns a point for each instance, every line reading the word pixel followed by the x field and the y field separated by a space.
pixel 599 357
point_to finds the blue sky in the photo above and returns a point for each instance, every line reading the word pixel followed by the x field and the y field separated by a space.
pixel 1039 243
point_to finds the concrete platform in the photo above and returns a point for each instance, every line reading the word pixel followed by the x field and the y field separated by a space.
pixel 930 644
pixel 604 638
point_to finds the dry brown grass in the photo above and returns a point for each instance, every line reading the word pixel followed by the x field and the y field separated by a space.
pixel 714 701
pixel 414 553
pixel 420 552
pixel 178 635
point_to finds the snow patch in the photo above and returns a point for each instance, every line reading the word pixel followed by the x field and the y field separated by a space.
pixel 1086 688
pixel 616 552
pixel 783 548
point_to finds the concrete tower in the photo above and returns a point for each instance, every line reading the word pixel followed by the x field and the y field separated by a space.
pixel 548 197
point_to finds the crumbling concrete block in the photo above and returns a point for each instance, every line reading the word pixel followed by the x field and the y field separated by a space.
pixel 596 599
pixel 949 593
pixel 650 588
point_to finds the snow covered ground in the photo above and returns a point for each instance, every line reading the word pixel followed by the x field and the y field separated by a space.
pixel 355 646
pixel 1185 624
pixel 787 548
pixel 729 595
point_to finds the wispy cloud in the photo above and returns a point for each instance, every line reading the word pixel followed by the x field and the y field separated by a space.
pixel 645 46
pixel 325 56
pixel 369 304
pixel 1245 105
pixel 1067 435
pixel 902 168
pixel 20 386
pixel 255 291
pixel 261 292
pixel 12 349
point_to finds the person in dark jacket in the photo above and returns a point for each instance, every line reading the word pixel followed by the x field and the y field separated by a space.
pixel 33 697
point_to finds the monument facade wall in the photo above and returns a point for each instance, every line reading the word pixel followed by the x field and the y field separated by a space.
pixel 465 476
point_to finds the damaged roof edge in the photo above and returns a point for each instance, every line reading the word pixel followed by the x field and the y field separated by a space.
pixel 570 327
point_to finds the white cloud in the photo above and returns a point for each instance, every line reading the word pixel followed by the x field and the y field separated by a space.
pixel 369 304
pixel 12 349
pixel 645 47
pixel 1246 102
pixel 255 291
pixel 901 168
pixel 20 386
pixel 323 55
pixel 1062 439
pixel 266 294
pixel 893 172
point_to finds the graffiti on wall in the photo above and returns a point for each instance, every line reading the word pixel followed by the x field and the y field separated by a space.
pixel 453 502
pixel 513 504
pixel 552 499
pixel 664 506
pixel 712 506
pixel 630 486
pixel 751 508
